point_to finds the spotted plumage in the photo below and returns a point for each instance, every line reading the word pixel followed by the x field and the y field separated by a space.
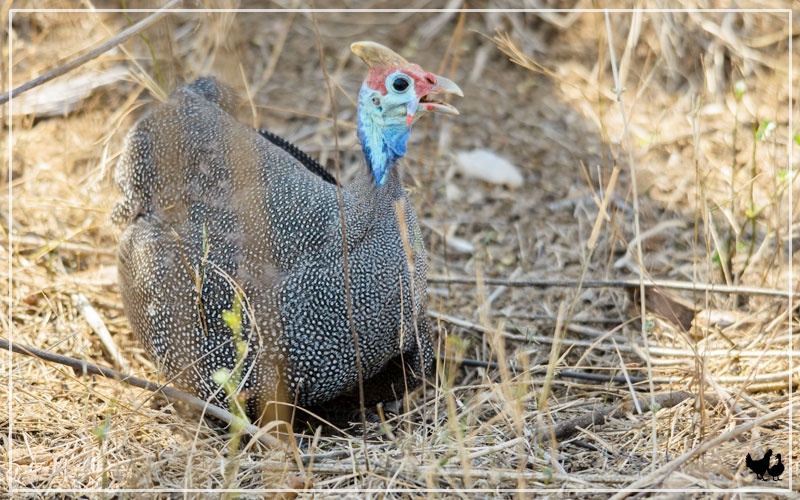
pixel 210 207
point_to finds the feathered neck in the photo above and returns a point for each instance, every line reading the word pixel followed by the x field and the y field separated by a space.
pixel 383 142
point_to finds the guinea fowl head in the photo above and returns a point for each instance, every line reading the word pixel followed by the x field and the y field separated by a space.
pixel 394 95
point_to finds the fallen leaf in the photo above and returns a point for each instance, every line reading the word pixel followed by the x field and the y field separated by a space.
pixel 673 309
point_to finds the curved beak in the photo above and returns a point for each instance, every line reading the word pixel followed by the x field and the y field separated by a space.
pixel 442 86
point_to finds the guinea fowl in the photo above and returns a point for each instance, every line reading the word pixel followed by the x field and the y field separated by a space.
pixel 776 470
pixel 212 208
pixel 759 466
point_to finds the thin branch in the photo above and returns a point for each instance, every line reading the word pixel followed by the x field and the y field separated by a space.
pixel 755 383
pixel 573 283
pixel 635 348
pixel 594 377
pixel 92 54
pixel 81 367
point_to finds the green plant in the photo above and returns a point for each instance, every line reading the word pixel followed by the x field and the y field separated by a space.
pixel 230 381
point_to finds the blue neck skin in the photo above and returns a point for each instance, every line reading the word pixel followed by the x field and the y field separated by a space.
pixel 383 136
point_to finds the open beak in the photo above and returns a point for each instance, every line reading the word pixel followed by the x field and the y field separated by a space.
pixel 442 86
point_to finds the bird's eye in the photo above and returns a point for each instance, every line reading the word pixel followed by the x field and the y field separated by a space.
pixel 401 84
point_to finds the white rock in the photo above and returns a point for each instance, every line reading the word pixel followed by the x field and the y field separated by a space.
pixel 460 245
pixel 488 166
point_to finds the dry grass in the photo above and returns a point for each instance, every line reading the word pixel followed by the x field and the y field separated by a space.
pixel 713 207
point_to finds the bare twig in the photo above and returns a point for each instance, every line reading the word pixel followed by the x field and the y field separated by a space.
pixel 657 351
pixel 173 395
pixel 593 377
pixel 573 283
pixel 92 54
pixel 755 383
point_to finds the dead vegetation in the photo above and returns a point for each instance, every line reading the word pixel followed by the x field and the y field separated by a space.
pixel 678 398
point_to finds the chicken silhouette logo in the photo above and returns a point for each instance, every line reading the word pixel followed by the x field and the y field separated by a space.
pixel 761 466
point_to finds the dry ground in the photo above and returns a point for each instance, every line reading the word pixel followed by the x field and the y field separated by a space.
pixel 711 202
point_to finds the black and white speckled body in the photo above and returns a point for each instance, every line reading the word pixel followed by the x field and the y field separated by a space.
pixel 208 204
